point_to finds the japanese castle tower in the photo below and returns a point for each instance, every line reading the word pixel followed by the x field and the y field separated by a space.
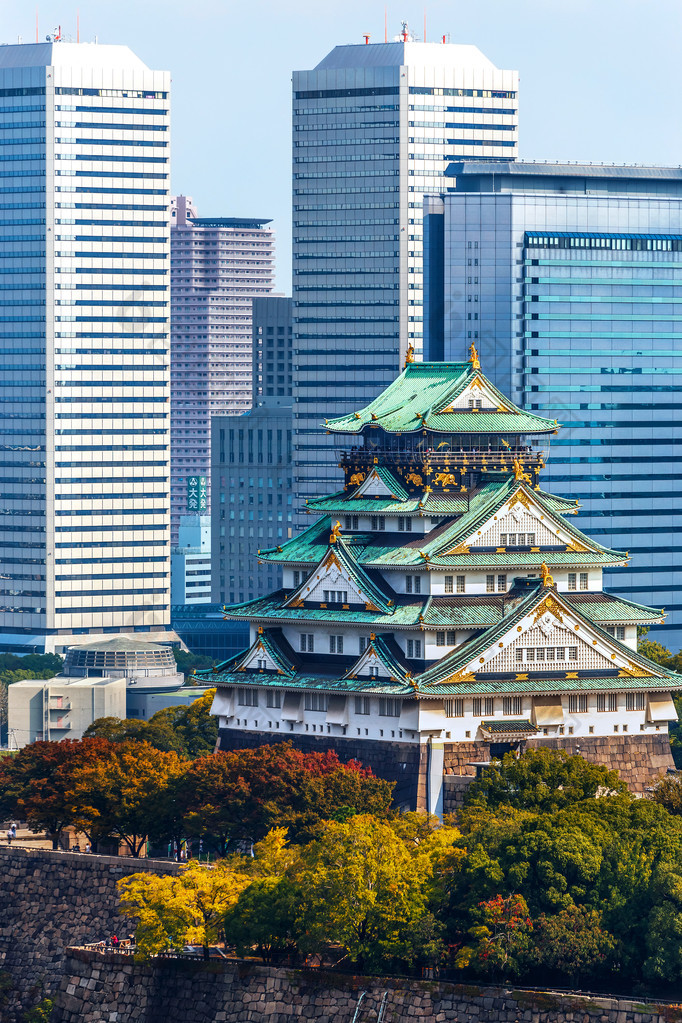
pixel 443 608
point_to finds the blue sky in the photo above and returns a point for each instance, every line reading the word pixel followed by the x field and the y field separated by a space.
pixel 599 78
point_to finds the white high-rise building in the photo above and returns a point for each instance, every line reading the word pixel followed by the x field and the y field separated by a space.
pixel 84 342
pixel 375 128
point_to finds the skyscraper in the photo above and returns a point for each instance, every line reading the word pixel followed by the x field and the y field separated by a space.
pixel 375 127
pixel 84 336
pixel 218 265
pixel 252 465
pixel 568 279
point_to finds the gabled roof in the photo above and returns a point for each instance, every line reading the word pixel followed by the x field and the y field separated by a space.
pixel 457 665
pixel 419 397
pixel 389 484
pixel 339 555
pixel 272 644
pixel 386 651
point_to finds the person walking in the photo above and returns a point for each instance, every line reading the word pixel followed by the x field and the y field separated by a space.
pixel 9 836
pixel 13 829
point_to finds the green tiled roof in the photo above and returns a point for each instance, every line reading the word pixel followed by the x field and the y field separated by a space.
pixel 356 572
pixel 313 683
pixel 606 608
pixel 547 687
pixel 388 653
pixel 417 398
pixel 270 607
pixel 391 481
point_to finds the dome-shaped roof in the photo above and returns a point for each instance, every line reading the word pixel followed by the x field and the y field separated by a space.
pixel 118 656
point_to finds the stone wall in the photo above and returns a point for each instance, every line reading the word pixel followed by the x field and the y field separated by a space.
pixel 639 758
pixel 109 987
pixel 49 900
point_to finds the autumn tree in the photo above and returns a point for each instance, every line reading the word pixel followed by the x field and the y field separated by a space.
pixel 189 908
pixel 36 784
pixel 542 779
pixel 241 795
pixel 499 945
pixel 190 730
pixel 359 887
pixel 127 794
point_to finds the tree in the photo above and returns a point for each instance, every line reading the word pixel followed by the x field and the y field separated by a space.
pixel 172 911
pixel 574 943
pixel 239 796
pixel 189 730
pixel 655 651
pixel 36 783
pixel 501 941
pixel 359 887
pixel 542 779
pixel 668 793
pixel 187 661
pixel 664 926
pixel 126 795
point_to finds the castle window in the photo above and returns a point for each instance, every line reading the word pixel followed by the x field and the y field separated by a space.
pixel 450 637
pixel 461 583
pixel 373 671
pixel 414 648
pixel 478 707
pixel 601 703
pixel 351 522
pixel 620 632
pixel 489 706
pixel 307 643
pixel 583 580
pixel 572 581
pixel 440 639
pixel 247 697
pixel 273 698
pixel 613 702
pixel 511 705
pixel 378 522
pixel 573 653
pixel 336 644
pixel 490 583
pixel 453 708
pixel 530 539
pixel 262 664
pixel 389 708
pixel 501 583
pixel 449 581
pixel 362 704
pixel 519 653
pixel 634 701
pixel 363 643
pixel 297 579
pixel 577 704
pixel 404 524
pixel 316 701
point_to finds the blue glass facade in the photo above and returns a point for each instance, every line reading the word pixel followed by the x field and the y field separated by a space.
pixel 575 302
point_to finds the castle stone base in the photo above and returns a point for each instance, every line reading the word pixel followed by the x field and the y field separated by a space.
pixel 639 759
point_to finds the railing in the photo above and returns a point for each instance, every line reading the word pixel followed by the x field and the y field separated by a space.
pixel 466 459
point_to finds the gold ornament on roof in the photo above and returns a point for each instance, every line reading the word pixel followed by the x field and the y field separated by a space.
pixel 335 533
pixel 546 576
pixel 473 357
pixel 409 357
pixel 519 475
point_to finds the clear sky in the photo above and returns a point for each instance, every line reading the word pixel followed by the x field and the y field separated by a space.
pixel 599 78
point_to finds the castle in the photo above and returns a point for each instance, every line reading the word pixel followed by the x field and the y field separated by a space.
pixel 444 609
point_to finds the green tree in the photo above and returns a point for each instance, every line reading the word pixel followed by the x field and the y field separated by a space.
pixel 189 730
pixel 664 926
pixel 189 908
pixel 668 793
pixel 573 943
pixel 187 661
pixel 655 651
pixel 542 779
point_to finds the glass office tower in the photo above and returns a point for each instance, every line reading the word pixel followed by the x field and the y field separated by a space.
pixel 375 127
pixel 84 338
pixel 568 279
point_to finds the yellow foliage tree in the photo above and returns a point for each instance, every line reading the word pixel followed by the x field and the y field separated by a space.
pixel 174 910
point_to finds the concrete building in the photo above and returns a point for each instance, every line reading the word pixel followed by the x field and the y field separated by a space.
pixel 252 463
pixel 108 678
pixel 218 266
pixel 375 127
pixel 191 561
pixel 568 279
pixel 84 339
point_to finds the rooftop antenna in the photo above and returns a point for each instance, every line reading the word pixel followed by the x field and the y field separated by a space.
pixel 366 37
pixel 37 38
pixel 78 25
pixel 385 24
pixel 424 24
pixel 405 33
